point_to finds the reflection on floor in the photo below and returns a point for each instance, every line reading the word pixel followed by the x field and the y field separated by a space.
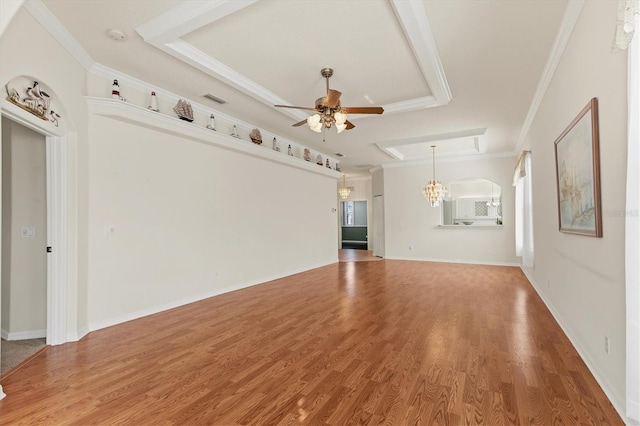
pixel 16 351
pixel 355 255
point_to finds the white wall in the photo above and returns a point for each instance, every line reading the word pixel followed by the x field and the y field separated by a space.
pixel 52 65
pixel 412 228
pixel 582 278
pixel 24 272
pixel 192 220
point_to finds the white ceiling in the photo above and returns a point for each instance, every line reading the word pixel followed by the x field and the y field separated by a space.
pixel 460 74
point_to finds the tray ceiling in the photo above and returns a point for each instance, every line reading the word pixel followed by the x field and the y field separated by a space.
pixel 439 68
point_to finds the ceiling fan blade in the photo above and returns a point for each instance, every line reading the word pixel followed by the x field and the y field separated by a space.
pixel 296 107
pixel 300 123
pixel 349 124
pixel 333 97
pixel 362 110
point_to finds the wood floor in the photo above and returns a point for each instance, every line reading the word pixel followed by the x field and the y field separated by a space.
pixel 387 342
pixel 355 255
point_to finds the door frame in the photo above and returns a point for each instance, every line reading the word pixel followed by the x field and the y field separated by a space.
pixel 57 214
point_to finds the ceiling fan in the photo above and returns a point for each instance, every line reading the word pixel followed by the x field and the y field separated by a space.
pixel 329 111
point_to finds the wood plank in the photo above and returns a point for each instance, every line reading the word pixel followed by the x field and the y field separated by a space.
pixel 356 342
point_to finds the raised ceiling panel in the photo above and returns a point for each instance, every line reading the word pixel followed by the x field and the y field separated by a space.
pixel 283 45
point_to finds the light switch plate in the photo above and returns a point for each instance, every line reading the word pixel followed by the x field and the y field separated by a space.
pixel 28 232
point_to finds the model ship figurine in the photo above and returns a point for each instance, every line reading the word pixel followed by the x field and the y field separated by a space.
pixel 184 110
pixel 255 136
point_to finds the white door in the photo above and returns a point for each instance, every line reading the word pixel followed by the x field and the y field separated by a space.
pixel 378 226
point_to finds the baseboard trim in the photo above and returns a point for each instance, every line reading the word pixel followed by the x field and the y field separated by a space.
pixel 604 384
pixel 74 336
pixel 93 326
pixel 467 262
pixel 23 335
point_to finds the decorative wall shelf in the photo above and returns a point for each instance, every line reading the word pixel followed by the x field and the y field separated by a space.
pixel 134 114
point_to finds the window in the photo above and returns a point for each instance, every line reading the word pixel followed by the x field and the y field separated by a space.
pixel 348 213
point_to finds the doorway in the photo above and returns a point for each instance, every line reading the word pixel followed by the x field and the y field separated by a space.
pixel 354 229
pixel 24 242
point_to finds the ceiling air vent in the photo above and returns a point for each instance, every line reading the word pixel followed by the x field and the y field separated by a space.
pixel 214 98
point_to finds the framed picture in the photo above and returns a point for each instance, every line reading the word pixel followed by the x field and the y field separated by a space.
pixel 578 174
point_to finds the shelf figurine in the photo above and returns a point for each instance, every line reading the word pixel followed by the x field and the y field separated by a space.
pixel 154 103
pixel 255 136
pixel 234 133
pixel 115 90
pixel 212 123
pixel 290 151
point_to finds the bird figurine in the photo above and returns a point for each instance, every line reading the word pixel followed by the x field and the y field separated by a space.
pixel 53 117
pixel 31 99
pixel 36 90
pixel 13 95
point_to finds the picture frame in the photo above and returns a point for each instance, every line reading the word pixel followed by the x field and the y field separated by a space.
pixel 577 155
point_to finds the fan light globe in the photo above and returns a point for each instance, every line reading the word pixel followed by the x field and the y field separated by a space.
pixel 340 127
pixel 340 117
pixel 313 120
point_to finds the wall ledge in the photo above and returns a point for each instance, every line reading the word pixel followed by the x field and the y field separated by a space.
pixel 130 113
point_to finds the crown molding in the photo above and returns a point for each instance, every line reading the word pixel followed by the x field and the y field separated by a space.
pixel 186 17
pixel 200 60
pixel 390 147
pixel 569 20
pixel 411 105
pixel 64 37
pixel 163 32
pixel 452 159
pixel 415 24
pixel 59 32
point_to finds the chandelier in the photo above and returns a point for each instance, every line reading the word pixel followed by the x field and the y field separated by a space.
pixel 434 191
pixel 493 202
pixel 344 191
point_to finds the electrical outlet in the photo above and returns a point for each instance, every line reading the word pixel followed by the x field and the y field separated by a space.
pixel 606 344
